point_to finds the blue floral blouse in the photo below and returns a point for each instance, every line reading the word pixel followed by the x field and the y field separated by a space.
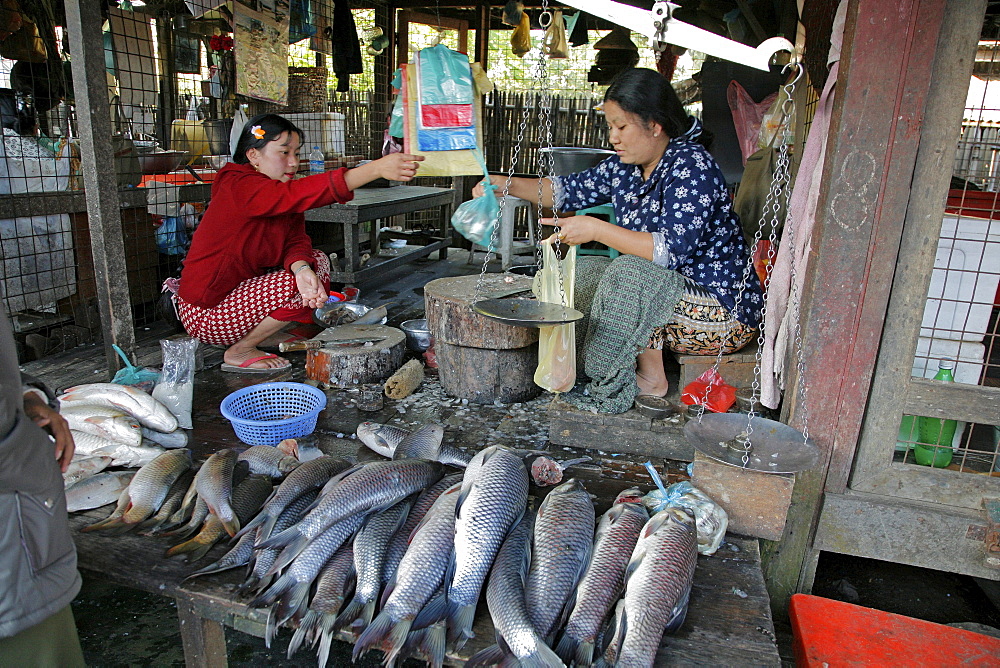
pixel 686 207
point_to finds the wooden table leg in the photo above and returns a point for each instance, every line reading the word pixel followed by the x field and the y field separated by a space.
pixel 204 640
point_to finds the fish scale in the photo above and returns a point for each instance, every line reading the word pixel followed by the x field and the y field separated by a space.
pixel 332 585
pixel 420 574
pixel 151 483
pixel 494 494
pixel 268 460
pixel 214 484
pixel 657 587
pixel 602 583
pixel 170 504
pixel 263 559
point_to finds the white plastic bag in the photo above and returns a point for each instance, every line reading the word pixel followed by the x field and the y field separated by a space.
pixel 175 390
pixel 556 371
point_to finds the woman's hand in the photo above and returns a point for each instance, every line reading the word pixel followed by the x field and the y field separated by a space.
pixel 575 230
pixel 310 287
pixel 49 419
pixel 496 179
pixel 398 166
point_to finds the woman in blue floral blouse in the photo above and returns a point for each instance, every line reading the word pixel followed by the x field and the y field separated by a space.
pixel 671 207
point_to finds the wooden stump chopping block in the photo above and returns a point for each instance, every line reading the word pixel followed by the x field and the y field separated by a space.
pixel 355 365
pixel 479 358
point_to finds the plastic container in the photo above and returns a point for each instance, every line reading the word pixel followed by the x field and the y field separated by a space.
pixel 268 413
pixel 935 435
pixel 317 163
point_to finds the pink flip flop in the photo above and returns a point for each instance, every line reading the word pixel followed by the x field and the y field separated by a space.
pixel 246 368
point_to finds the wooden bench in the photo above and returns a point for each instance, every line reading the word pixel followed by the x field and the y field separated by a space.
pixel 736 369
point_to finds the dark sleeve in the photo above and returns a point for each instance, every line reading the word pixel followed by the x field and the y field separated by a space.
pixel 29 382
pixel 585 189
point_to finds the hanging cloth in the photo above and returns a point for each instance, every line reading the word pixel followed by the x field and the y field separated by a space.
pixel 346 47
pixel 300 21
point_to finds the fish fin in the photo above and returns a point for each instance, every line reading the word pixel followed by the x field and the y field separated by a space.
pixel 248 585
pixel 280 539
pixel 261 518
pixel 270 628
pixel 679 613
pixel 323 652
pixel 431 643
pixel 387 590
pixel 488 656
pixel 382 633
pixel 350 612
pixel 433 611
pixel 288 555
pixel 102 524
pixel 118 528
pixel 542 657
pixel 460 623
pixel 620 626
pixel 232 526
pixel 301 633
pixel 292 604
pixel 568 648
pixel 276 590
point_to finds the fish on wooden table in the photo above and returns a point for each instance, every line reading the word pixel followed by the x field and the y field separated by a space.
pixel 602 583
pixel 420 574
pixel 98 490
pixel 360 489
pixel 84 467
pixel 108 423
pixel 333 585
pixel 177 438
pixel 425 442
pixel 657 588
pixel 214 484
pixel 160 521
pixel 143 407
pixel 262 559
pixel 148 488
pixel 494 495
pixel 268 460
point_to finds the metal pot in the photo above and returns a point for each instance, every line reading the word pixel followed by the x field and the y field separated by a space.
pixel 160 162
pixel 418 336
pixel 572 159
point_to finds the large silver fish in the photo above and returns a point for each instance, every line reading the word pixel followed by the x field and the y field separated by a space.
pixel 84 467
pixel 333 585
pixel 153 525
pixel 363 488
pixel 657 586
pixel 385 439
pixel 505 598
pixel 98 490
pixel 268 460
pixel 420 574
pixel 602 583
pixel 214 484
pixel 560 551
pixel 150 486
pixel 401 541
pixel 369 558
pixel 109 423
pixel 312 474
pixel 175 439
pixel 131 456
pixel 114 518
pixel 143 407
pixel 493 498
pixel 262 560
pixel 246 499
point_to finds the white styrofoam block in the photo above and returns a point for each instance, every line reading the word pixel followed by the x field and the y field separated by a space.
pixel 323 129
pixel 964 280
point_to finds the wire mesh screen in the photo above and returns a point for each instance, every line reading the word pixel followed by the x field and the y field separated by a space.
pixel 959 337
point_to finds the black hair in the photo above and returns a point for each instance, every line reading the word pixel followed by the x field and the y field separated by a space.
pixel 648 94
pixel 16 114
pixel 272 125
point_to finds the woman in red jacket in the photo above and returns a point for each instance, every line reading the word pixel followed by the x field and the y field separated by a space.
pixel 252 268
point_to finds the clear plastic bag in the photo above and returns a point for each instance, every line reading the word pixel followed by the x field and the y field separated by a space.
pixel 476 219
pixel 176 387
pixel 556 371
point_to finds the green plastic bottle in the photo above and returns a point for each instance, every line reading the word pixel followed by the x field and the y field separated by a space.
pixel 936 434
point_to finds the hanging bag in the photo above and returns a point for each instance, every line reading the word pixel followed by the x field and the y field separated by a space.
pixel 556 371
pixel 554 43
pixel 476 219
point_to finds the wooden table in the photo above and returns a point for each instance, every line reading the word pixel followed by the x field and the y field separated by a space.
pixel 728 623
pixel 370 204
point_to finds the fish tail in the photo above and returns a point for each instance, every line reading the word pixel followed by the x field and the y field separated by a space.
pixel 251 525
pixel 280 586
pixel 195 548
pixel 232 526
pixel 460 624
pixel 571 648
pixel 292 604
pixel 278 540
pixel 325 641
pixel 248 586
pixel 489 656
pixel 118 528
pixel 350 612
pixel 303 632
pixel 382 634
pixel 542 657
pixel 433 611
pixel 431 643
pixel 270 629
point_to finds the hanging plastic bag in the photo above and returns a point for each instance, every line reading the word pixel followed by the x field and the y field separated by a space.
pixel 396 117
pixel 176 387
pixel 776 126
pixel 476 219
pixel 520 37
pixel 554 42
pixel 747 116
pixel 445 117
pixel 171 237
pixel 239 121
pixel 720 394
pixel 556 371
pixel 138 377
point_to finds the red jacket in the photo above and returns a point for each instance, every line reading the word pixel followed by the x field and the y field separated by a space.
pixel 253 223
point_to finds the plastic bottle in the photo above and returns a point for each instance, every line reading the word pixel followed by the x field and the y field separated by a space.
pixel 317 162
pixel 936 434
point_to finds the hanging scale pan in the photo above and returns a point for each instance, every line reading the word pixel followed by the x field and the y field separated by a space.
pixel 526 312
pixel 774 447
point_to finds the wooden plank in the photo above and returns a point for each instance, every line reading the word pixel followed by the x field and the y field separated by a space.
pixel 870 159
pixel 204 640
pixel 906 532
pixel 90 87
pixel 957 401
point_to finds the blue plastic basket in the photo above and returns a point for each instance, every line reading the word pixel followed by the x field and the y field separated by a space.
pixel 267 413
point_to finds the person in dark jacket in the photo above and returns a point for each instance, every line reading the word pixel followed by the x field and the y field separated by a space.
pixel 38 575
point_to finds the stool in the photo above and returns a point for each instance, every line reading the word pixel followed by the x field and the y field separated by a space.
pixel 605 210
pixel 505 236
pixel 834 633
pixel 737 368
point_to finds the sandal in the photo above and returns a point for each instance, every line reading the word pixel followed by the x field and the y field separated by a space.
pixel 245 367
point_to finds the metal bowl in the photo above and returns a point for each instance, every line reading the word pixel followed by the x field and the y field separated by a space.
pixel 160 162
pixel 418 336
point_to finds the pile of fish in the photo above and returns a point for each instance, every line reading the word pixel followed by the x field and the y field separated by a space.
pixel 113 426
pixel 399 552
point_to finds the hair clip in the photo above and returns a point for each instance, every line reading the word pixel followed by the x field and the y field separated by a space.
pixel 257 132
